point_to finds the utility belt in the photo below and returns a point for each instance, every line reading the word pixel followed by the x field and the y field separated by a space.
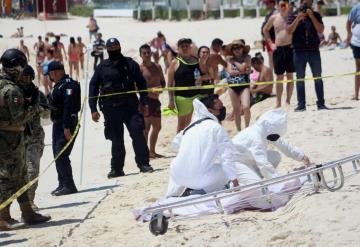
pixel 12 128
pixel 59 118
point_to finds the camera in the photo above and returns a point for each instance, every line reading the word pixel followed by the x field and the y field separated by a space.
pixel 304 8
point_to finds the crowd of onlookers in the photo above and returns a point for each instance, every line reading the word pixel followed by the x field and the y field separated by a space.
pixel 292 36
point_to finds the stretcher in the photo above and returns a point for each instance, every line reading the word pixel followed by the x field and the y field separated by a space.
pixel 316 176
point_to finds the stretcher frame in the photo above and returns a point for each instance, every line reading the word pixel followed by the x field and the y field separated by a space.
pixel 315 176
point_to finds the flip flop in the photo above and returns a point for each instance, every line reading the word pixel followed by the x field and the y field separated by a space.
pixel 168 112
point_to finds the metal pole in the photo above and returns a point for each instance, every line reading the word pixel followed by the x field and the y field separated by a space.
pixel 88 50
pixel 44 10
pixel 205 9
pixel 139 10
pixel 153 10
pixel 188 10
pixel 222 9
pixel 241 9
pixel 170 11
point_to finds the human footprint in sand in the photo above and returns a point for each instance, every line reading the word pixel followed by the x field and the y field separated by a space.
pixel 154 77
pixel 252 144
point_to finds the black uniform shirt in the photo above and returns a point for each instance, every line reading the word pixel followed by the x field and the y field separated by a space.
pixel 114 78
pixel 66 99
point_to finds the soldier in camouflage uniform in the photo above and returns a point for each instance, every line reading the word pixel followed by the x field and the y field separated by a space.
pixel 16 108
pixel 34 133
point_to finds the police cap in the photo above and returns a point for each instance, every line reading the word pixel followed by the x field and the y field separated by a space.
pixel 55 65
pixel 112 43
pixel 12 58
pixel 29 71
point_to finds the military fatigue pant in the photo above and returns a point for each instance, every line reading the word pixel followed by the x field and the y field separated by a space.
pixel 34 152
pixel 12 165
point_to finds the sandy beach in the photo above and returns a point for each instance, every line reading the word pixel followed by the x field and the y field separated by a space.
pixel 100 215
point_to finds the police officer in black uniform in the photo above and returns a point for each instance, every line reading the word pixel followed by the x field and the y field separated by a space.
pixel 114 75
pixel 65 103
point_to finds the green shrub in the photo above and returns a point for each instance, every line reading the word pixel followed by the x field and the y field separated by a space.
pixel 179 14
pixel 249 12
pixel 81 10
pixel 162 13
pixel 329 12
pixel 213 14
pixel 263 12
pixel 196 14
pixel 345 10
pixel 231 13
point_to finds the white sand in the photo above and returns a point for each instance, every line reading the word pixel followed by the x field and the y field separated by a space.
pixel 101 214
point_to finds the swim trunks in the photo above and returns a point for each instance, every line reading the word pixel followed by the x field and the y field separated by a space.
pixel 154 108
pixel 283 60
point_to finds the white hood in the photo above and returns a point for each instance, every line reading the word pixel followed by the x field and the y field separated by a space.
pixel 205 156
pixel 252 144
pixel 273 122
pixel 200 111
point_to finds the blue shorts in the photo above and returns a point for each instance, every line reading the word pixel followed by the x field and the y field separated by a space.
pixel 356 51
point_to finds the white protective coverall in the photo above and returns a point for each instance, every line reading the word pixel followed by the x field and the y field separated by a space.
pixel 206 157
pixel 252 144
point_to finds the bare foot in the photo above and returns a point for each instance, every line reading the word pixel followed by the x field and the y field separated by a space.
pixel 278 106
pixel 153 155
pixel 355 98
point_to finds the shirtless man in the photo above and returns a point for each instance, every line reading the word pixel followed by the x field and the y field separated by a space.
pixel 22 47
pixel 154 77
pixel 283 52
pixel 215 58
pixel 261 92
pixel 61 47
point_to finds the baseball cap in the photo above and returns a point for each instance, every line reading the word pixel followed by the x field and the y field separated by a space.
pixel 55 65
pixel 112 42
pixel 184 41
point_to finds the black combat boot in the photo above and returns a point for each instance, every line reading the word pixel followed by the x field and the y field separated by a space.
pixel 146 168
pixel 114 173
pixel 30 216
pixel 67 189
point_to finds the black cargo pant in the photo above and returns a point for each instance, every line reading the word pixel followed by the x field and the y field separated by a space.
pixel 115 118
pixel 63 163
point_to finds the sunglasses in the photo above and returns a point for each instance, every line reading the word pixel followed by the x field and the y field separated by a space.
pixel 236 48
pixel 283 5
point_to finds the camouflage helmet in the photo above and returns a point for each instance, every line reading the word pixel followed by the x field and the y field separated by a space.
pixel 13 62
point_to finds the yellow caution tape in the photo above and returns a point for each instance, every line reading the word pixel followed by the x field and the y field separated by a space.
pixel 166 112
pixel 159 90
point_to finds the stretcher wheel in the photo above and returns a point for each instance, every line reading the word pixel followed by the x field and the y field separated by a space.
pixel 158 224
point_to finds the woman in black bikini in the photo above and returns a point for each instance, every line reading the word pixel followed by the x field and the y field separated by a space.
pixel 239 68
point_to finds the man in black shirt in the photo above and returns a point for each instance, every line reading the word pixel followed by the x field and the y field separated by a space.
pixel 98 49
pixel 113 76
pixel 305 26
